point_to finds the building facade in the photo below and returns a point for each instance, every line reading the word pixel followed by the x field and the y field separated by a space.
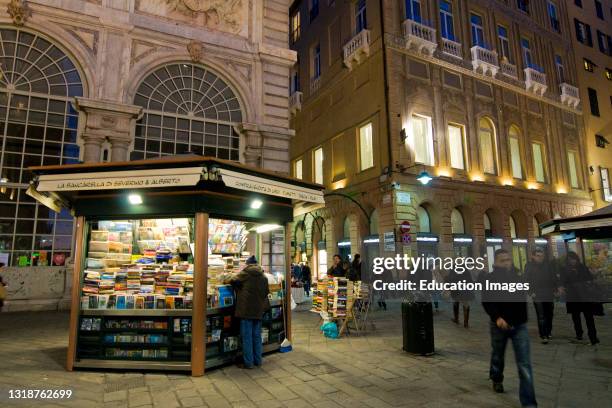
pixel 481 95
pixel 117 80
pixel 592 43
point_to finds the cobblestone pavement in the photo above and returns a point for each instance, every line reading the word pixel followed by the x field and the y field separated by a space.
pixel 369 370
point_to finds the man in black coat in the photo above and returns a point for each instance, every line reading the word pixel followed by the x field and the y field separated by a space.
pixel 543 283
pixel 508 313
pixel 251 286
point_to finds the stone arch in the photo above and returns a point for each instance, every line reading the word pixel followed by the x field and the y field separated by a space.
pixel 374 222
pixel 433 214
pixel 496 222
pixel 151 63
pixel 488 138
pixel 518 224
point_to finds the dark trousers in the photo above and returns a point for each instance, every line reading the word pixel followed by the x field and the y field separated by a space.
pixel 590 324
pixel 544 310
pixel 250 333
pixel 520 344
pixel 307 288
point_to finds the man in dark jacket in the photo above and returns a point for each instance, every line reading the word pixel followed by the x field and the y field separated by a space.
pixel 508 313
pixel 252 301
pixel 306 278
pixel 543 283
pixel 336 271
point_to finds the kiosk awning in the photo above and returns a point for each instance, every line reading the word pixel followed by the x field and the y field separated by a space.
pixel 112 180
pixel 596 220
pixel 248 182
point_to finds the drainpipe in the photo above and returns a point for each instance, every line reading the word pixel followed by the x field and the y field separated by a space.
pixel 386 84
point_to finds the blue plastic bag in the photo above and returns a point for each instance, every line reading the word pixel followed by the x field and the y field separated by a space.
pixel 330 330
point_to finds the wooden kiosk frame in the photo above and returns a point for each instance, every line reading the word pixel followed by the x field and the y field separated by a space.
pixel 191 186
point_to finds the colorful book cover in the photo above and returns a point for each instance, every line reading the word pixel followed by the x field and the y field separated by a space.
pixel 121 302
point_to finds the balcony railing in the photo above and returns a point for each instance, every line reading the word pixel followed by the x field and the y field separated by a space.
pixel 508 69
pixel 452 48
pixel 484 60
pixel 535 81
pixel 356 49
pixel 570 95
pixel 295 102
pixel 420 36
pixel 315 84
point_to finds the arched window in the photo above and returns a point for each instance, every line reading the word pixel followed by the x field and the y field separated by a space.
pixel 39 127
pixel 187 108
pixel 487 225
pixel 457 225
pixel 514 141
pixel 346 227
pixel 424 222
pixel 488 146
pixel 512 227
pixel 374 222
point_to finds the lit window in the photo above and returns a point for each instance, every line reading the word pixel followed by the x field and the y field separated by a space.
pixel 318 165
pixel 295 26
pixel 515 154
pixel 421 140
pixel 299 169
pixel 588 65
pixel 456 146
pixel 605 184
pixel 609 74
pixel 488 155
pixel 573 166
pixel 366 147
pixel 538 162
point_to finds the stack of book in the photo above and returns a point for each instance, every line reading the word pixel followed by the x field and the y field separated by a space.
pixel 91 282
pixel 340 296
pixel 319 298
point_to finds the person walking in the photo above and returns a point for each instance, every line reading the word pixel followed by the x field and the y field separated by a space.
pixel 306 278
pixel 2 289
pixel 251 286
pixel 336 270
pixel 461 298
pixel 577 283
pixel 508 314
pixel 543 283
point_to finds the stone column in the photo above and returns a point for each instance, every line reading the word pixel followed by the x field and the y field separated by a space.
pixel 105 120
pixel 251 139
pixel 440 129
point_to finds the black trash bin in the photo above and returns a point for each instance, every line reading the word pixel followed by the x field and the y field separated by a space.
pixel 417 325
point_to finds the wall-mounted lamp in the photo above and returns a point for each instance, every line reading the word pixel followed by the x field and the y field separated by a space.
pixel 424 178
pixel 135 199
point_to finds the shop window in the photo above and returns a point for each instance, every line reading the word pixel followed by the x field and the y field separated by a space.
pixel 420 140
pixel 538 162
pixel 487 225
pixel 456 144
pixel 38 127
pixel 512 223
pixel 572 161
pixel 515 153
pixel 366 147
pixel 187 108
pixel 318 165
pixel 299 169
pixel 488 146
pixel 424 221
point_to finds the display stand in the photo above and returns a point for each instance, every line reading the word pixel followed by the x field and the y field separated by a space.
pixel 154 241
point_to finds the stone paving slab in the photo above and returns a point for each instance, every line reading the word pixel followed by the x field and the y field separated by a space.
pixel 369 370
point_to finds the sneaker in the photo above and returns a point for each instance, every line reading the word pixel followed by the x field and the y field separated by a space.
pixel 245 367
pixel 498 387
pixel 544 340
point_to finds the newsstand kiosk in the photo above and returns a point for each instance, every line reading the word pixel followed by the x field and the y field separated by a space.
pixel 154 241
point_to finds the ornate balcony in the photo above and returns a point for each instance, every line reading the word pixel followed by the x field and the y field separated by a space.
pixel 295 102
pixel 484 60
pixel 535 81
pixel 452 48
pixel 356 49
pixel 570 95
pixel 420 36
pixel 315 84
pixel 508 69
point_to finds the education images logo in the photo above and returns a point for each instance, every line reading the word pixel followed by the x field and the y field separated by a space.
pixel 416 267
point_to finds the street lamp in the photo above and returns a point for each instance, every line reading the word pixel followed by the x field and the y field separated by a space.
pixel 424 178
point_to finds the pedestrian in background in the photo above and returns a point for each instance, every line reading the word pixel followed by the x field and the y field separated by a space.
pixel 543 283
pixel 2 288
pixel 355 271
pixel 577 283
pixel 346 269
pixel 508 314
pixel 461 298
pixel 306 278
pixel 251 286
pixel 336 271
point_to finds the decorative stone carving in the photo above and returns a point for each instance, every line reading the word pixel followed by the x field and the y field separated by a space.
pixel 196 50
pixel 216 12
pixel 19 11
